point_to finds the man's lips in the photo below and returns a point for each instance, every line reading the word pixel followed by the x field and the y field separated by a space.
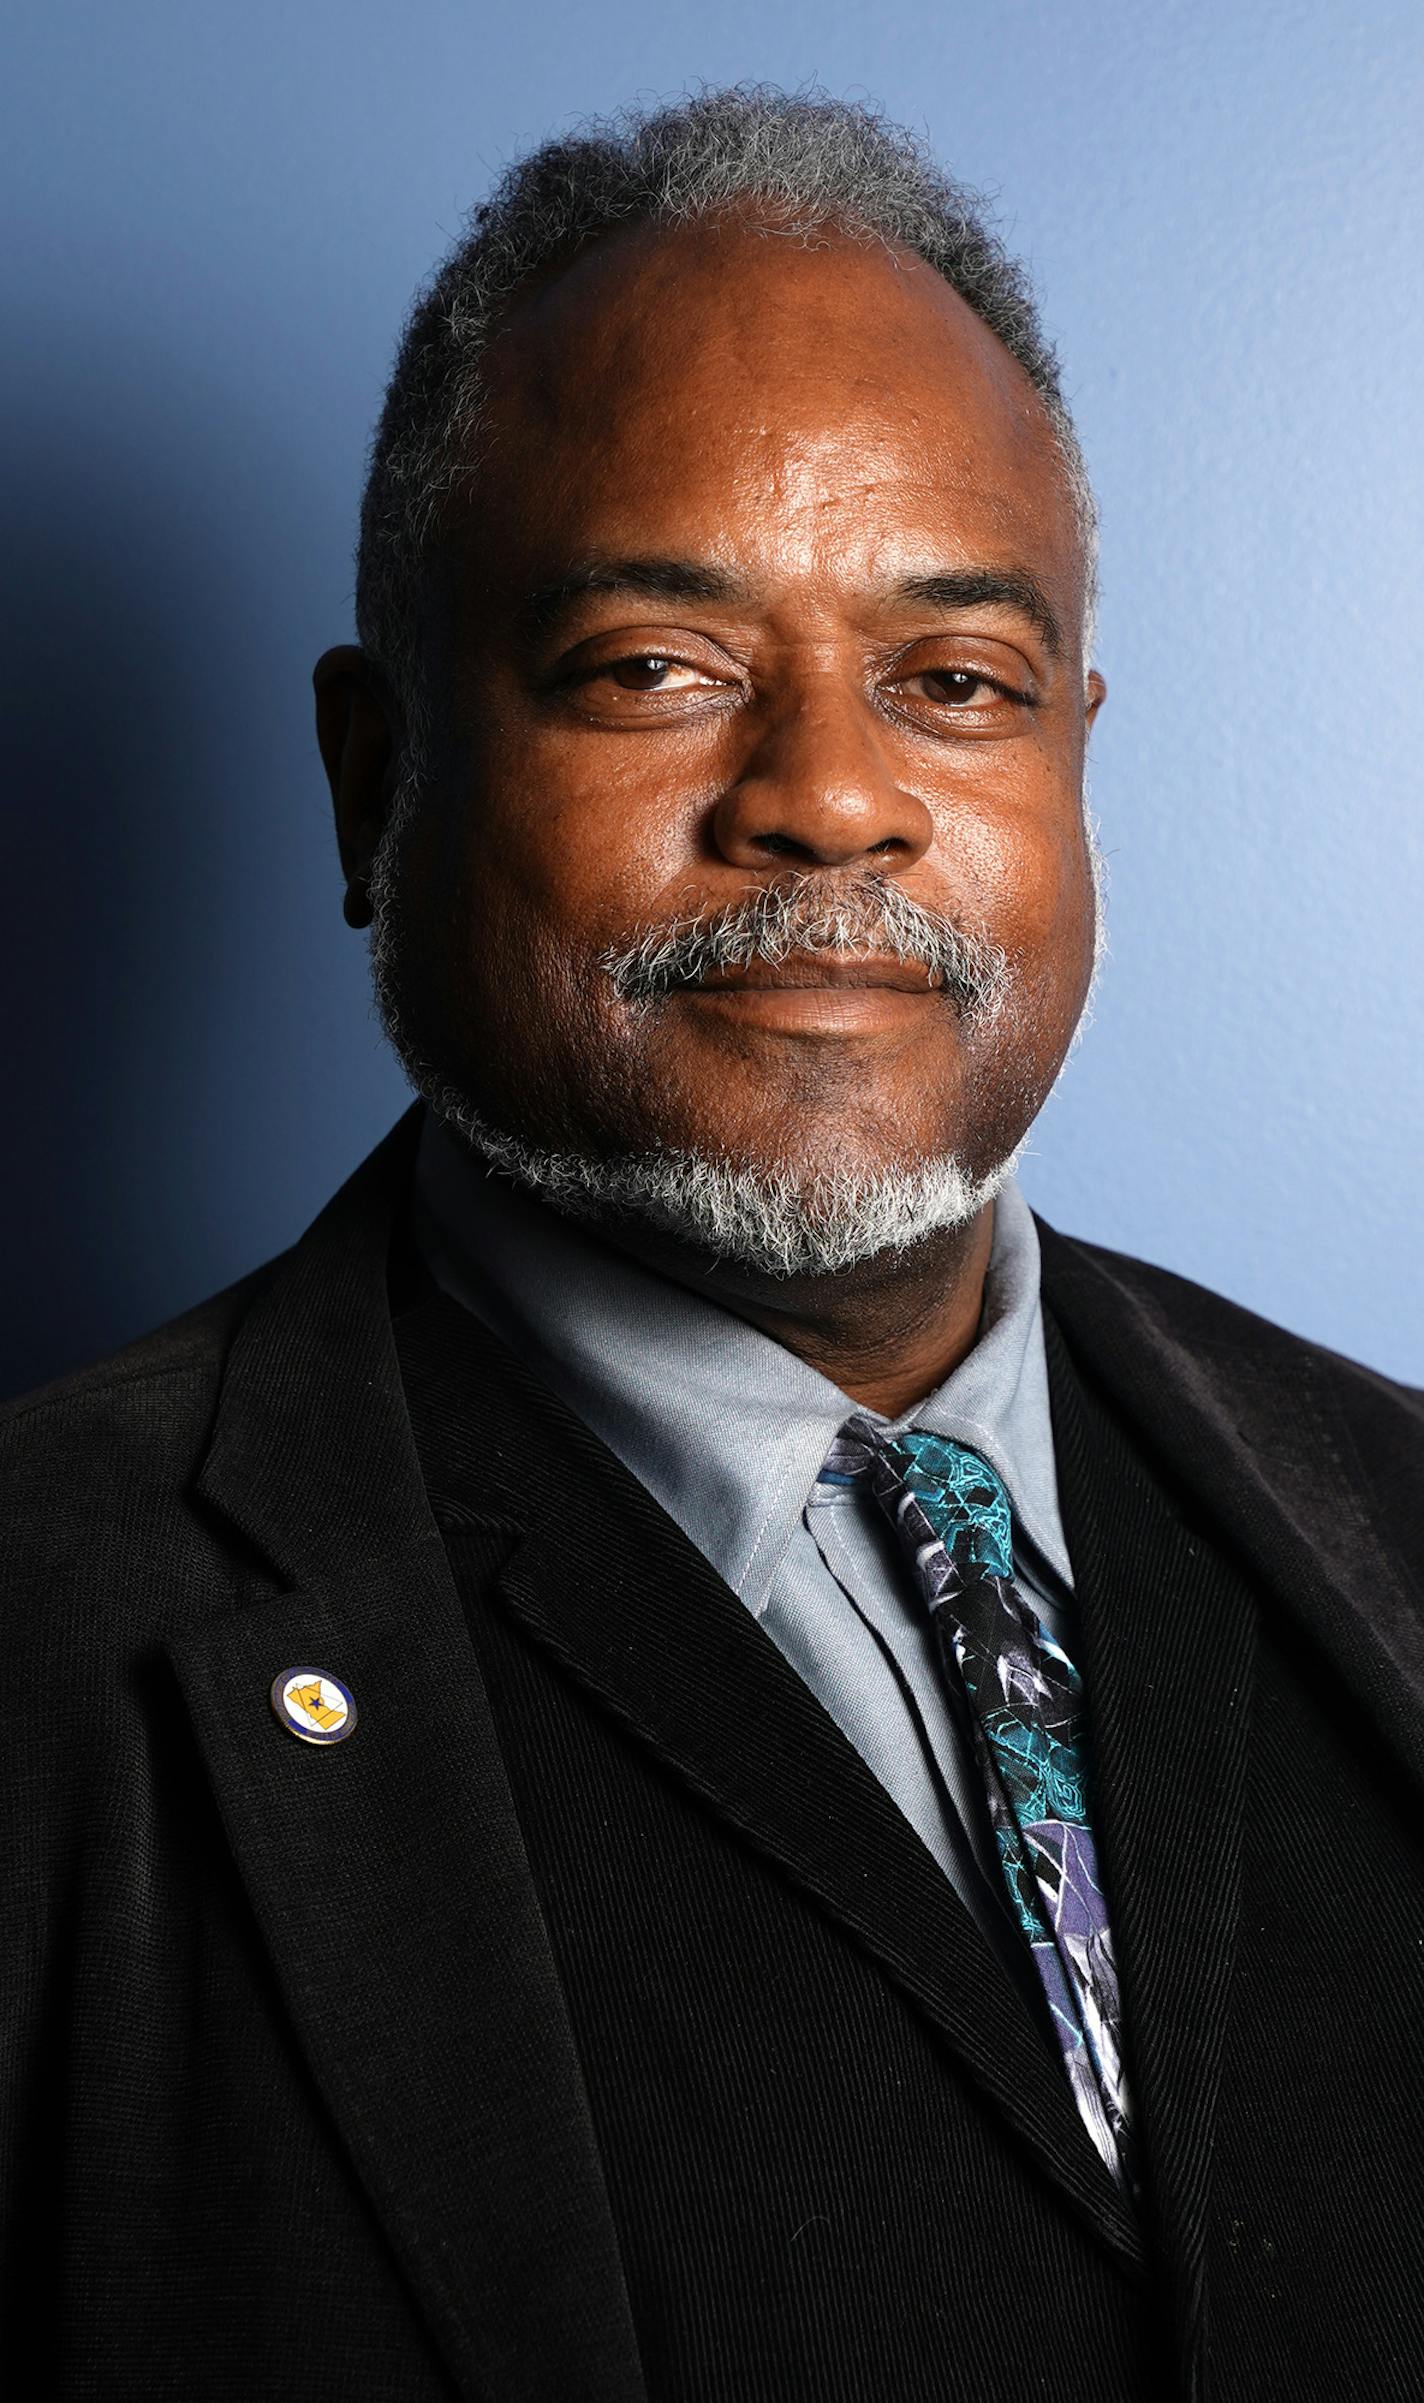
pixel 820 971
pixel 823 996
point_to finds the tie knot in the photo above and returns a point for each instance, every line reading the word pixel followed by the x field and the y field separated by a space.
pixel 962 1497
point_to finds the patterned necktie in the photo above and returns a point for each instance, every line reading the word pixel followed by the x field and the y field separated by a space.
pixel 954 1522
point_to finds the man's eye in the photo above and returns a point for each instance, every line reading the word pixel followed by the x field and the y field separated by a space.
pixel 963 685
pixel 650 672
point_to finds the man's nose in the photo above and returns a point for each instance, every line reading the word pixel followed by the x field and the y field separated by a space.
pixel 818 787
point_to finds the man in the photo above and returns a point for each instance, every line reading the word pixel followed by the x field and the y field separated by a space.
pixel 683 1757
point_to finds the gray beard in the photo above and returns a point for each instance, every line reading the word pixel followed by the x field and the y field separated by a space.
pixel 779 1221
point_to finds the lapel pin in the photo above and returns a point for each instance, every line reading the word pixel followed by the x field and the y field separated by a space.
pixel 314 1705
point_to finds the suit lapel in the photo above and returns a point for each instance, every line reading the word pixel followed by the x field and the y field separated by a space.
pixel 387 1872
pixel 609 1585
pixel 1236 1497
pixel 1166 1646
pixel 1248 1421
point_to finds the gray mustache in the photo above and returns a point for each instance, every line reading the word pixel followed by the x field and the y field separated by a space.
pixel 863 914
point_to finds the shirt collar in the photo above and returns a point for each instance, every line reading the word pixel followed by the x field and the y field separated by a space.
pixel 723 1425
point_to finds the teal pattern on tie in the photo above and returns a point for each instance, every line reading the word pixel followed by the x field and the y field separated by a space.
pixel 955 1523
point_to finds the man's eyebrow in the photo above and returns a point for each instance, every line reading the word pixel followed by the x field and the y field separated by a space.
pixel 983 587
pixel 671 579
pixel 651 579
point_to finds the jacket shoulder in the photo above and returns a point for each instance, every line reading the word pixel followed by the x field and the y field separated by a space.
pixel 193 1345
pixel 96 1466
pixel 1207 1322
pixel 1262 1385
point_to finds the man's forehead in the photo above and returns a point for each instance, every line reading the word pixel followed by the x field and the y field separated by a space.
pixel 710 389
pixel 725 326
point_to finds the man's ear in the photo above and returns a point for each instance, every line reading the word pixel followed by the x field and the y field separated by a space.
pixel 359 749
pixel 1097 694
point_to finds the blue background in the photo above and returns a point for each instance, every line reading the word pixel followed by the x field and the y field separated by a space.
pixel 222 212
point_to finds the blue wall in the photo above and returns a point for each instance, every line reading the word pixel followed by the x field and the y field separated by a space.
pixel 223 213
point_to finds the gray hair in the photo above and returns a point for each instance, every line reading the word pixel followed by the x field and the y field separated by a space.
pixel 803 162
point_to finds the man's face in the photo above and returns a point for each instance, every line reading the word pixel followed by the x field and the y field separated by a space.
pixel 771 585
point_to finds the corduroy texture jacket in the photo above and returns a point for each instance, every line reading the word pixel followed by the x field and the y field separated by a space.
pixel 589 2026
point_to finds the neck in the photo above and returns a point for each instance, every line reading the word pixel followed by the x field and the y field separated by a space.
pixel 887 1333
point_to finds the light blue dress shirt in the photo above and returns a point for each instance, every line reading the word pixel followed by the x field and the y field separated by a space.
pixel 728 1430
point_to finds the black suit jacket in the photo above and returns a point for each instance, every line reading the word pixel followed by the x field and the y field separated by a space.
pixel 590 2025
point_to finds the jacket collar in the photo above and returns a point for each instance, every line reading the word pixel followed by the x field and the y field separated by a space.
pixel 1247 1417
pixel 311 1455
pixel 1264 1432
